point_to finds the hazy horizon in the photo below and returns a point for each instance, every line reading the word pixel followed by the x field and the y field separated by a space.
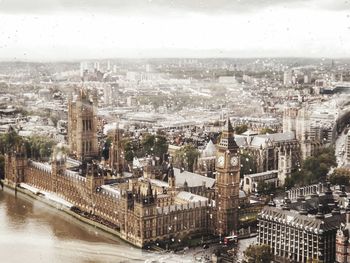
pixel 62 30
pixel 78 60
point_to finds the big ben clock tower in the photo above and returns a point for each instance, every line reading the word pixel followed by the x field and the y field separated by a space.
pixel 227 182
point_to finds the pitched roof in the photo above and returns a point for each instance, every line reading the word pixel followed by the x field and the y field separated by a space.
pixel 210 150
pixel 189 197
pixel 305 222
pixel 264 139
pixel 192 179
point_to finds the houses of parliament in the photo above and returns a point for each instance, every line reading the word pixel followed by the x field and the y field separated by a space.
pixel 156 204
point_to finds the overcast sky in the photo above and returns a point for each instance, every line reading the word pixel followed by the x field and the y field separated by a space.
pixel 83 29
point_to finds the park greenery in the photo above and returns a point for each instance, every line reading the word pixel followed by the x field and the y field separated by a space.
pixel 267 131
pixel 36 147
pixel 186 157
pixel 239 129
pixel 258 254
pixel 340 176
pixel 150 145
pixel 313 169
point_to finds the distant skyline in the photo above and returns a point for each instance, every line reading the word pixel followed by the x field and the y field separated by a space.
pixel 50 30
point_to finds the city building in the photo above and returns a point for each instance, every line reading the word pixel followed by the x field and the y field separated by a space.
pixel 307 131
pixel 288 78
pixel 303 229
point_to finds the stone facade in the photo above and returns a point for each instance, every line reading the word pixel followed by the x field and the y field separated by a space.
pixel 227 182
pixel 82 125
pixel 296 237
pixel 304 230
pixel 116 153
pixel 136 211
pixel 146 208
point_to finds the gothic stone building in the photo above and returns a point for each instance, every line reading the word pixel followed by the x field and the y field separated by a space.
pixel 143 208
pixel 277 151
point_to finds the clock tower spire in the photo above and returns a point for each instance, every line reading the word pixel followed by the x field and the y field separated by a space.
pixel 227 182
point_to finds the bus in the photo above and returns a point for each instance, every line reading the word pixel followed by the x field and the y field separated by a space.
pixel 230 240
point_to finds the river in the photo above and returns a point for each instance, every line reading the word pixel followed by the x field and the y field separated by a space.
pixel 33 232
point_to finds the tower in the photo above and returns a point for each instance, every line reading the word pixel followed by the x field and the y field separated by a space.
pixel 82 125
pixel 227 182
pixel 58 166
pixel 94 180
pixel 116 153
pixel 145 205
pixel 290 115
pixel 15 165
pixel 171 178
pixel 284 164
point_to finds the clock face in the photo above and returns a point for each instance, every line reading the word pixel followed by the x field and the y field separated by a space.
pixel 234 161
pixel 221 161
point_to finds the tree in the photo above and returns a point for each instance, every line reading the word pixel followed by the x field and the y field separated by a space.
pixel 186 157
pixel 160 146
pixel 241 129
pixel 9 140
pixel 313 169
pixel 154 145
pixel 129 150
pixel 258 254
pixel 340 176
pixel 148 144
pixel 39 147
pixel 267 131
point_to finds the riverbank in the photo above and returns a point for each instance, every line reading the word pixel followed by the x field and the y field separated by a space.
pixel 34 232
pixel 64 208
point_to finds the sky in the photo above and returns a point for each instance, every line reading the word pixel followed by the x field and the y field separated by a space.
pixel 50 30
